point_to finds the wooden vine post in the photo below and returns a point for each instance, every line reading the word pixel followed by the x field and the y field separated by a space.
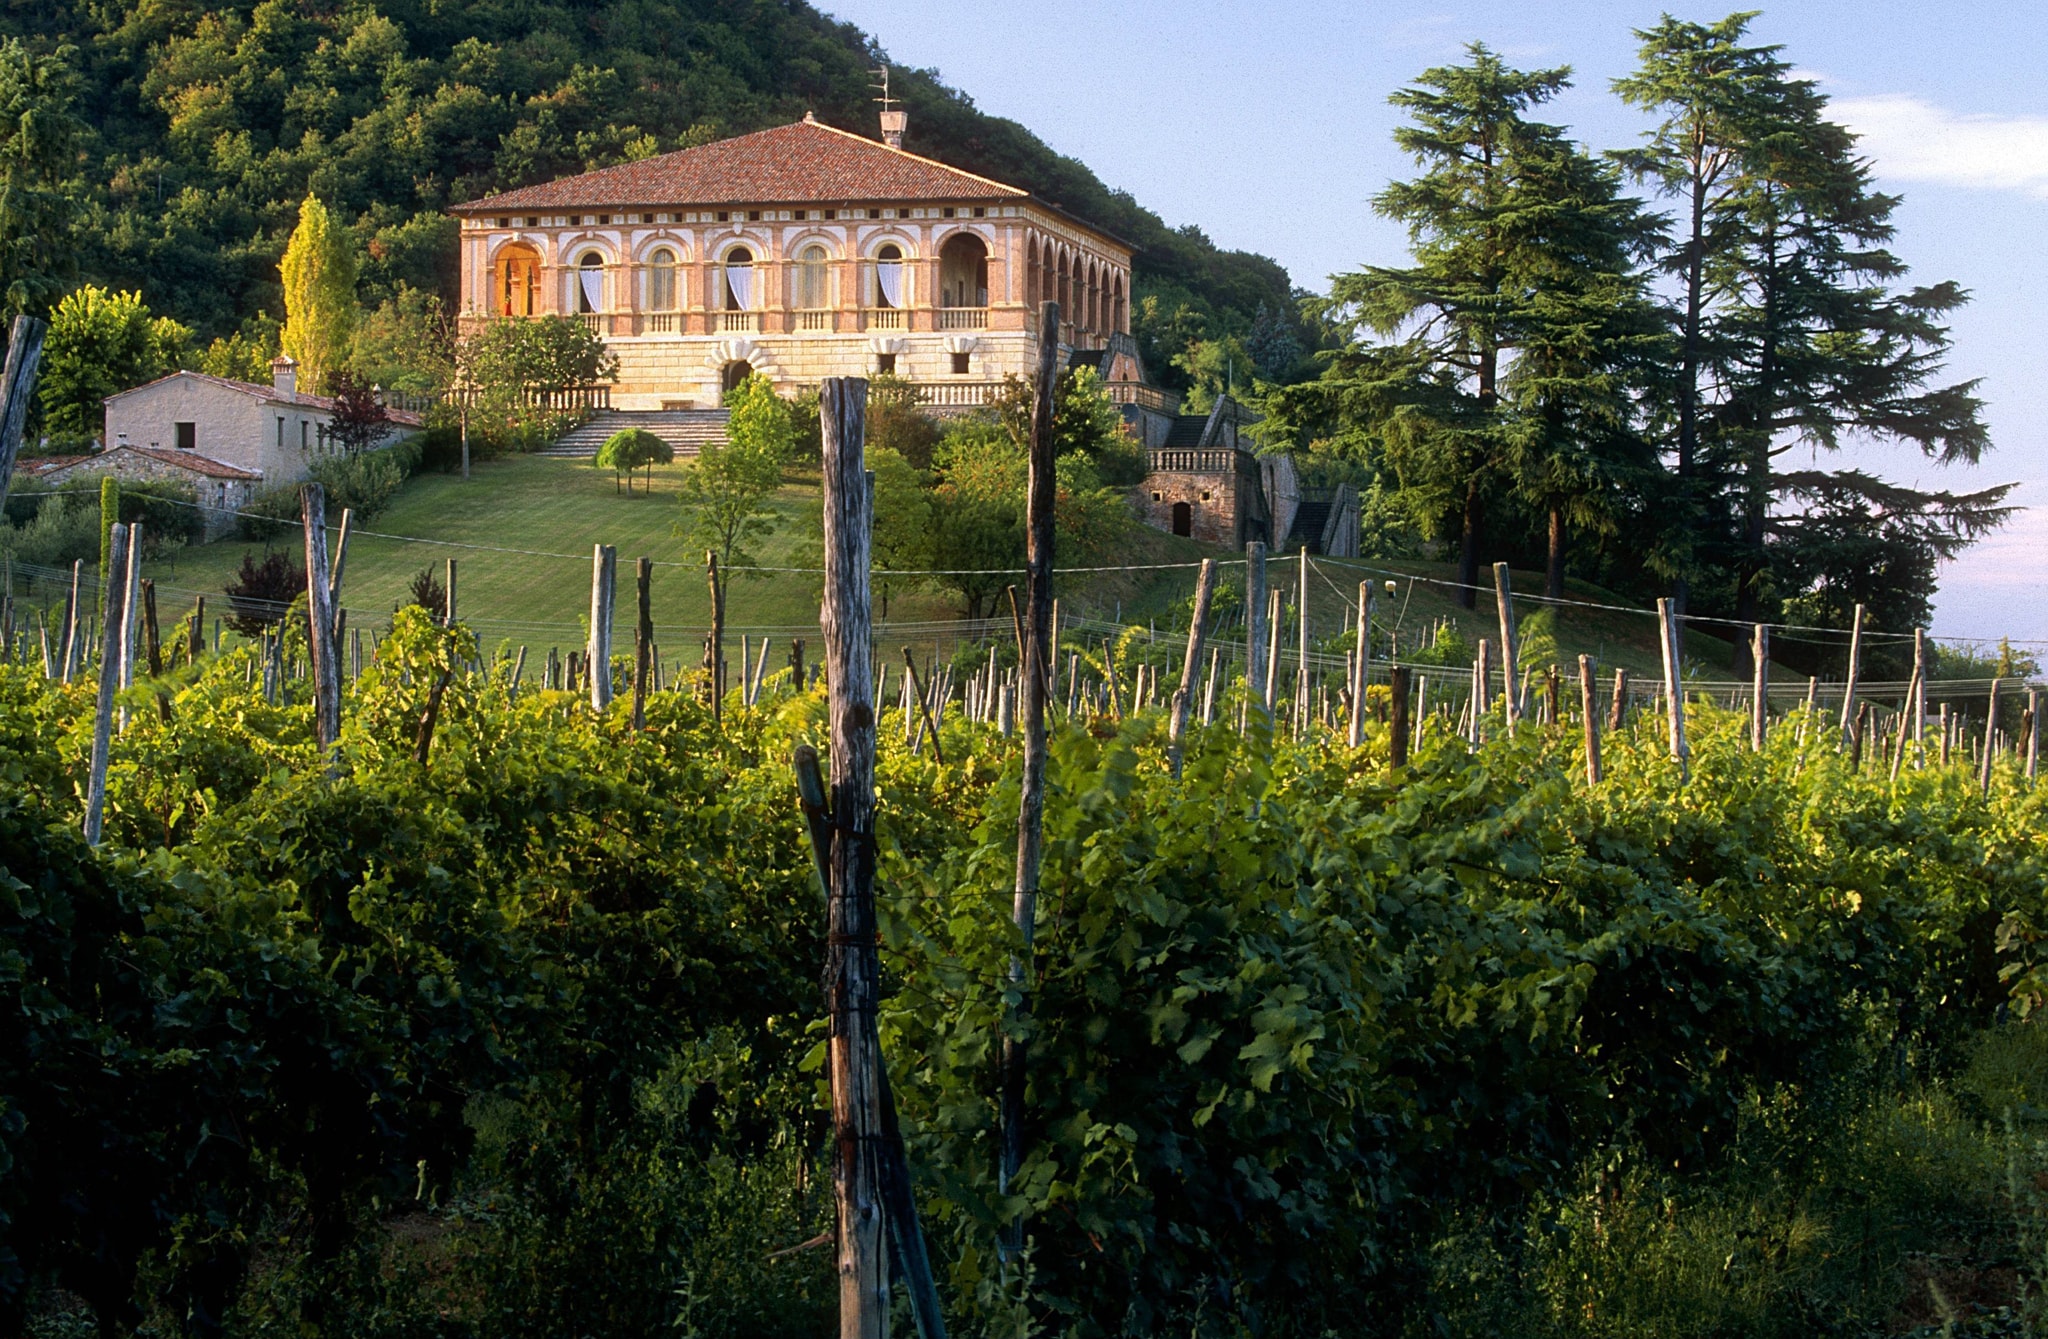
pixel 1040 493
pixel 1990 738
pixel 1760 688
pixel 1920 697
pixel 1191 667
pixel 320 619
pixel 1618 709
pixel 1255 624
pixel 17 387
pixel 597 663
pixel 870 1176
pixel 2033 733
pixel 1509 671
pixel 643 639
pixel 853 966
pixel 717 584
pixel 1397 719
pixel 1674 688
pixel 1590 718
pixel 111 614
pixel 1304 713
pixel 1361 667
pixel 448 613
pixel 1855 672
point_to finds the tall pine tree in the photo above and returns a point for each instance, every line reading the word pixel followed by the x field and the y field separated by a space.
pixel 1792 334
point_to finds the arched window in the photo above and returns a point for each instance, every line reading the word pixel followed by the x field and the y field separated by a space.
pixel 1066 297
pixel 661 280
pixel 963 271
pixel 590 282
pixel 888 276
pixel 739 279
pixel 813 278
pixel 518 280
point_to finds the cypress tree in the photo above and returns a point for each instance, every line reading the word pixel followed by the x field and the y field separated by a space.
pixel 319 273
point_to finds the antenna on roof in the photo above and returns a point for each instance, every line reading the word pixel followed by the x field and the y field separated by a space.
pixel 894 119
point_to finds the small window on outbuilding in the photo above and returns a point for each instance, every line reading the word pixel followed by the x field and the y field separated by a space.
pixel 188 436
pixel 280 432
pixel 303 443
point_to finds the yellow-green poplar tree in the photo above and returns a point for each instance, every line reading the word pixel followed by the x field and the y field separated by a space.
pixel 319 273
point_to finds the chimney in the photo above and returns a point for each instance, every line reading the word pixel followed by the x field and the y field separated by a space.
pixel 893 122
pixel 284 375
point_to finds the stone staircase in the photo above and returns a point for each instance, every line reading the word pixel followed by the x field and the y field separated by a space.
pixel 687 430
pixel 1309 520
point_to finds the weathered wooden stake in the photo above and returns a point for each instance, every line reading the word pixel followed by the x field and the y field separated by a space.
pixel 115 579
pixel 1990 737
pixel 448 614
pixel 1361 665
pixel 1674 688
pixel 1256 667
pixel 870 1174
pixel 320 620
pixel 1590 718
pixel 1855 672
pixel 1397 721
pixel 1504 600
pixel 17 390
pixel 1760 687
pixel 643 642
pixel 598 656
pixel 1919 703
pixel 1618 709
pixel 1198 634
pixel 716 584
pixel 73 613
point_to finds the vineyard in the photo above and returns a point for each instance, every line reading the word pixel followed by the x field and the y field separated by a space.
pixel 503 1018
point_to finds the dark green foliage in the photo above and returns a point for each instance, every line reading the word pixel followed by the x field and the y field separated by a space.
pixel 523 1042
pixel 429 594
pixel 262 591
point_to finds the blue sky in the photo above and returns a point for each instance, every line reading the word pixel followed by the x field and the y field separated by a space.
pixel 1267 125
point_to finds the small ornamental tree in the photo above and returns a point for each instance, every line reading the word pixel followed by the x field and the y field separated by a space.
pixel 360 420
pixel 726 489
pixel 631 449
pixel 261 594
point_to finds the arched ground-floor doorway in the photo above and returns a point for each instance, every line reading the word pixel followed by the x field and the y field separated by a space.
pixel 1183 518
pixel 735 372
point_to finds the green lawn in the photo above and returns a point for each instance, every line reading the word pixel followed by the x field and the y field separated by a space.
pixel 532 522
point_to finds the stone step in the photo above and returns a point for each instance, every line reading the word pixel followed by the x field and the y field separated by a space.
pixel 687 430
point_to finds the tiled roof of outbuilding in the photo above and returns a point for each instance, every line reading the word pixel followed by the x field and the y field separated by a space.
pixel 802 163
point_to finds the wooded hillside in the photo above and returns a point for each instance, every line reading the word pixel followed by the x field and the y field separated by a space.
pixel 202 127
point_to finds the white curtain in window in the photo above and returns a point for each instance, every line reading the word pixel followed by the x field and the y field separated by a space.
pixel 889 279
pixel 661 282
pixel 811 281
pixel 593 288
pixel 739 283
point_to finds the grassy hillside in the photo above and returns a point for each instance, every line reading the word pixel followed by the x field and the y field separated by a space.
pixel 532 522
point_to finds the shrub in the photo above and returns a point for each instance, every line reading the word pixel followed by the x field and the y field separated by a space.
pixel 262 592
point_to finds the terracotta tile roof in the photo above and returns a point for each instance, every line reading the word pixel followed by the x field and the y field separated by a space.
pixel 801 163
pixel 193 461
pixel 323 403
pixel 185 460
